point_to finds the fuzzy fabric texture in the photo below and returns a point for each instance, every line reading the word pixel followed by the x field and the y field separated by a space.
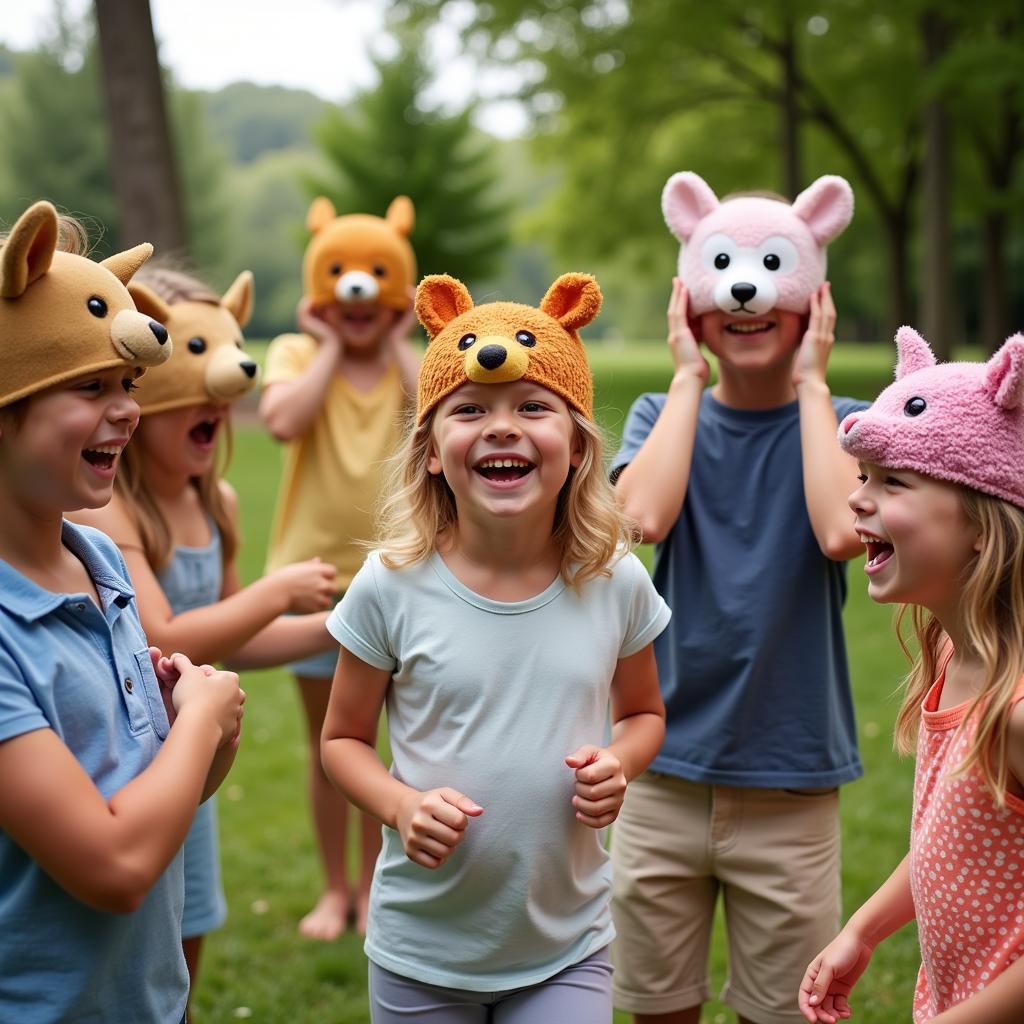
pixel 208 364
pixel 359 258
pixel 749 255
pixel 505 341
pixel 63 315
pixel 960 422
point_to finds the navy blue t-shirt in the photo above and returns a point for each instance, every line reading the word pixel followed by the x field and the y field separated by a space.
pixel 753 664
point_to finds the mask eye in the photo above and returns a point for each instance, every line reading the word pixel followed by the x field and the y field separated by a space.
pixel 772 262
pixel 97 307
pixel 915 406
pixel 465 341
pixel 379 271
pixel 526 339
pixel 197 346
pixel 335 269
pixel 722 261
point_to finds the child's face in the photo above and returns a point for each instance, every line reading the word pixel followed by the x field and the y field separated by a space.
pixel 504 449
pixel 181 442
pixel 752 344
pixel 361 326
pixel 62 452
pixel 919 540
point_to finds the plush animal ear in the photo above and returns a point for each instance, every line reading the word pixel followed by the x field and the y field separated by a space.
pixel 321 213
pixel 914 353
pixel 401 215
pixel 573 300
pixel 439 300
pixel 148 302
pixel 686 200
pixel 826 207
pixel 28 251
pixel 1004 374
pixel 124 264
pixel 237 300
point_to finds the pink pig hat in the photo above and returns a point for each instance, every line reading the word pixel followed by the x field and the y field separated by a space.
pixel 750 254
pixel 961 422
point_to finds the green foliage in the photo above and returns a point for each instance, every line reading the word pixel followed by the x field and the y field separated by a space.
pixel 388 143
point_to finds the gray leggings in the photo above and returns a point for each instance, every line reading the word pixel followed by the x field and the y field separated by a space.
pixel 581 994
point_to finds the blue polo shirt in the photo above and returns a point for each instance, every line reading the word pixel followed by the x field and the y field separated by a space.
pixel 85 673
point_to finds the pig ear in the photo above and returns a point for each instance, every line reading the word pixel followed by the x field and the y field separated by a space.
pixel 1004 374
pixel 825 207
pixel 439 300
pixel 914 353
pixel 685 201
pixel 573 300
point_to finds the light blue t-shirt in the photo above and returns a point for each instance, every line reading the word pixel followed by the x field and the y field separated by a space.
pixel 753 667
pixel 489 698
pixel 66 665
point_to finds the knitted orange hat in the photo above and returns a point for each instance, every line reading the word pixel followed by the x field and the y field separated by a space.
pixel 63 315
pixel 505 341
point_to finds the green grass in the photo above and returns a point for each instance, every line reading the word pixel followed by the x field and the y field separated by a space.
pixel 257 967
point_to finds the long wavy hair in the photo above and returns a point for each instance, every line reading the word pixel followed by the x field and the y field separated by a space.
pixel 992 602
pixel 130 483
pixel 418 511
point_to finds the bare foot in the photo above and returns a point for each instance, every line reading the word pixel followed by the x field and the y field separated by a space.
pixel 326 921
pixel 362 912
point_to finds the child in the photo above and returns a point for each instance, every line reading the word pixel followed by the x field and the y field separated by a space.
pixel 337 394
pixel 742 486
pixel 941 512
pixel 106 748
pixel 499 616
pixel 176 523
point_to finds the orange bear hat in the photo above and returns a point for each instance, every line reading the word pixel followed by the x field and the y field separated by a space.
pixel 505 341
pixel 359 257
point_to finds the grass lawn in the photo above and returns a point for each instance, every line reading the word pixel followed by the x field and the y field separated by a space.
pixel 257 967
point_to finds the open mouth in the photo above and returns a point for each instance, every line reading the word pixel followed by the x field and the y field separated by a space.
pixel 504 470
pixel 204 433
pixel 748 327
pixel 102 457
pixel 360 317
pixel 878 551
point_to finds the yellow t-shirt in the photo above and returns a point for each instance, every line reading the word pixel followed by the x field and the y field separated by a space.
pixel 333 474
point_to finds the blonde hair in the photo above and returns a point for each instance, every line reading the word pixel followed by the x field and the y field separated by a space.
pixel 590 529
pixel 992 602
pixel 173 286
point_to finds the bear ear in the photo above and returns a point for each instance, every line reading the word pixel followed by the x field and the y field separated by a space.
pixel 148 302
pixel 237 300
pixel 124 264
pixel 401 215
pixel 321 213
pixel 28 251
pixel 1004 374
pixel 686 200
pixel 573 300
pixel 826 207
pixel 914 353
pixel 439 300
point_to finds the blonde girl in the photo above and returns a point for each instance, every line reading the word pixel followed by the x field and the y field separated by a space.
pixel 941 512
pixel 499 619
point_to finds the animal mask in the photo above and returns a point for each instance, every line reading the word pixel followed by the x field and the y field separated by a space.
pixel 961 422
pixel 359 258
pixel 208 364
pixel 63 315
pixel 504 341
pixel 749 255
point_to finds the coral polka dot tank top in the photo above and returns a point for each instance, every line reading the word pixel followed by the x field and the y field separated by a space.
pixel 966 865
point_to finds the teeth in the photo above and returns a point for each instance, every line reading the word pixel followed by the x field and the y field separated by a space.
pixel 749 328
pixel 504 464
pixel 109 449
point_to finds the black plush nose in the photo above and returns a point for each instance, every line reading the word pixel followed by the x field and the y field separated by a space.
pixel 743 292
pixel 355 288
pixel 248 368
pixel 490 357
pixel 159 331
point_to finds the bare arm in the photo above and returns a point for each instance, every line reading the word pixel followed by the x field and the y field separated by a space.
pixel 999 1002
pixel 830 475
pixel 651 489
pixel 405 355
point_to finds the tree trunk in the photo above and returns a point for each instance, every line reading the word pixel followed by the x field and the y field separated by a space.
pixel 898 301
pixel 789 109
pixel 141 152
pixel 995 299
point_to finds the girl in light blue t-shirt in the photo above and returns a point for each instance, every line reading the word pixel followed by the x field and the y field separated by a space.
pixel 506 626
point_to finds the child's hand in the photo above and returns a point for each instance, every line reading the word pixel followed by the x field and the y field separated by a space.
pixel 401 329
pixel 432 824
pixel 830 977
pixel 166 675
pixel 686 354
pixel 309 585
pixel 600 785
pixel 320 323
pixel 812 356
pixel 215 693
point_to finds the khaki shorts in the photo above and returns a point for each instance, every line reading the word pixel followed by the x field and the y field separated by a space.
pixel 774 856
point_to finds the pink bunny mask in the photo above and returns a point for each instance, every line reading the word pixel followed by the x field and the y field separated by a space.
pixel 748 255
pixel 961 422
